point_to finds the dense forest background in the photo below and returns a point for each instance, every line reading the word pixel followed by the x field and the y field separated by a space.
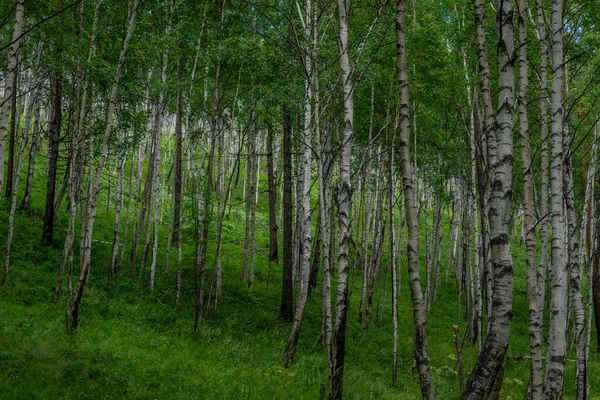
pixel 299 199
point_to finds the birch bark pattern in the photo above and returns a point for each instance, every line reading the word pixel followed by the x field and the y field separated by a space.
pixel 543 268
pixel 86 243
pixel 410 207
pixel 573 264
pixel 488 371
pixel 557 346
pixel 303 208
pixel 8 84
pixel 535 329
pixel 344 199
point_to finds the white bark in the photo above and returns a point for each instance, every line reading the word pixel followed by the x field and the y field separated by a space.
pixel 86 243
pixel 303 202
pixel 488 372
pixel 535 329
pixel 410 205
pixel 573 262
pixel 155 197
pixel 8 84
pixel 543 266
pixel 557 346
pixel 76 168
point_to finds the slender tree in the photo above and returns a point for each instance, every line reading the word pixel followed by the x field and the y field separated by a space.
pixel 410 207
pixel 535 330
pixel 486 377
pixel 557 343
pixel 86 243
pixel 9 89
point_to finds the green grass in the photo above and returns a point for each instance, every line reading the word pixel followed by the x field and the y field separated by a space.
pixel 134 345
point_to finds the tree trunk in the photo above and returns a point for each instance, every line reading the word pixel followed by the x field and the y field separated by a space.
pixel 573 263
pixel 33 149
pixel 272 179
pixel 487 373
pixel 376 248
pixel 326 227
pixel 155 203
pixel 557 346
pixel 303 209
pixel 394 266
pixel 410 206
pixel 178 179
pixel 121 160
pixel 543 267
pixel 75 166
pixel 596 284
pixel 53 143
pixel 535 329
pixel 9 89
pixel 286 309
pixel 344 201
pixel 12 135
pixel 15 190
pixel 86 243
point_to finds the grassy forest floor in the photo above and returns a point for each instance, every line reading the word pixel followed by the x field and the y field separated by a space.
pixel 134 345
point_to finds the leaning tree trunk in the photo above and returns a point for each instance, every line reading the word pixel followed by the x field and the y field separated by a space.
pixel 86 243
pixel 75 165
pixel 557 346
pixel 488 371
pixel 410 206
pixel 303 212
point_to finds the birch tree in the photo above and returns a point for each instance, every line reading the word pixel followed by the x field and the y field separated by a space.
pixel 86 243
pixel 556 352
pixel 535 329
pixel 9 89
pixel 410 207
pixel 486 377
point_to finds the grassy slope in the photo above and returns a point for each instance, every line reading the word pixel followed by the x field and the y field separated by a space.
pixel 134 345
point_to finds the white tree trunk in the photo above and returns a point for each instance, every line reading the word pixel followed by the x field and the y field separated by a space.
pixel 557 346
pixel 86 243
pixel 410 206
pixel 303 202
pixel 543 266
pixel 488 372
pixel 535 329
pixel 8 84
pixel 573 263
